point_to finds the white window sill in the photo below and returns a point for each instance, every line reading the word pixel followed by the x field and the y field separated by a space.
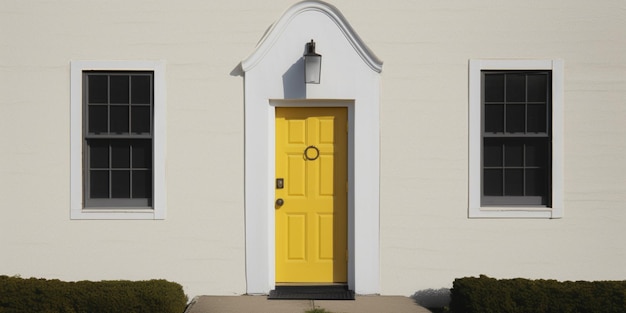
pixel 515 212
pixel 115 214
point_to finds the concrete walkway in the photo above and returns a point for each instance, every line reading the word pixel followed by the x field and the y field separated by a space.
pixel 260 304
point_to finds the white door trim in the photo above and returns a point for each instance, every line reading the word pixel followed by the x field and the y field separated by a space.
pixel 351 77
pixel 363 199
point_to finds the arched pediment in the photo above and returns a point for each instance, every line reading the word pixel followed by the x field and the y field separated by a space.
pixel 279 27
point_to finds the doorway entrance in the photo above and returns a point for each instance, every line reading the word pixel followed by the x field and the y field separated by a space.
pixel 311 205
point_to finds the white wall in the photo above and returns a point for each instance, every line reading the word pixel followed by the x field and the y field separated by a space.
pixel 426 238
pixel 200 244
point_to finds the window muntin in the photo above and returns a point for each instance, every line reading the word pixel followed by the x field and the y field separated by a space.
pixel 516 137
pixel 118 133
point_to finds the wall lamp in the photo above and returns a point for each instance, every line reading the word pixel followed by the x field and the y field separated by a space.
pixel 312 64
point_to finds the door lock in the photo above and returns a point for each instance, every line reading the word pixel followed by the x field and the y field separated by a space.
pixel 280 183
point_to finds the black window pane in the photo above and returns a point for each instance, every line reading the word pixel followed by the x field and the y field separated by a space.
pixel 141 91
pixel 142 154
pixel 518 163
pixel 537 121
pixel 537 87
pixel 536 182
pixel 97 89
pixel 494 87
pixel 514 182
pixel 494 118
pixel 98 154
pixel 515 118
pixel 119 119
pixel 118 103
pixel 514 155
pixel 120 184
pixel 537 153
pixel 515 87
pixel 492 153
pixel 142 184
pixel 120 155
pixel 119 89
pixel 492 182
pixel 98 119
pixel 140 119
pixel 98 184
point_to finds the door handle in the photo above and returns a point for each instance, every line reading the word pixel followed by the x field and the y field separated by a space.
pixel 280 202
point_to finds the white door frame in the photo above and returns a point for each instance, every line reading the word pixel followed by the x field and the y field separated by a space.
pixel 363 199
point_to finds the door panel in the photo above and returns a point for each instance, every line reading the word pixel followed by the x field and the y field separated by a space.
pixel 296 232
pixel 311 224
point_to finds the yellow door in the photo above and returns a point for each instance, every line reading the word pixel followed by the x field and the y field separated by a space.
pixel 311 195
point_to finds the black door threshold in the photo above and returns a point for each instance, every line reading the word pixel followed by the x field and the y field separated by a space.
pixel 311 292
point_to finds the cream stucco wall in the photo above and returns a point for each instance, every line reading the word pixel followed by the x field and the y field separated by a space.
pixel 426 233
pixel 426 239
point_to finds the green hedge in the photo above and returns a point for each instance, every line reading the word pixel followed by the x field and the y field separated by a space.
pixel 54 296
pixel 489 295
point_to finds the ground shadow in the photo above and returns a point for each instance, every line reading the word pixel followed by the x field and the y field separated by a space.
pixel 432 298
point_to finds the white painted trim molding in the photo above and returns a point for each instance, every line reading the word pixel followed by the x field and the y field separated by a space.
pixel 475 145
pixel 77 210
pixel 274 76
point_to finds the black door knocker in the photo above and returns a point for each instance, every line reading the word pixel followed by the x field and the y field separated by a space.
pixel 311 158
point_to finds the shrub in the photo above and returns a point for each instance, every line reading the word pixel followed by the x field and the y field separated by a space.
pixel 489 295
pixel 55 296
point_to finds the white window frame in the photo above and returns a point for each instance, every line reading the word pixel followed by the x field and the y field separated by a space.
pixel 77 208
pixel 475 140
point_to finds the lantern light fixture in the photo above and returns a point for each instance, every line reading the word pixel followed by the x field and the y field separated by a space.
pixel 312 64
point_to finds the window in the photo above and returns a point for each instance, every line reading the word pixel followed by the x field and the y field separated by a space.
pixel 117 140
pixel 516 138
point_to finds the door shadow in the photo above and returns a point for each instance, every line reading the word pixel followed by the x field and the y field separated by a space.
pixel 340 201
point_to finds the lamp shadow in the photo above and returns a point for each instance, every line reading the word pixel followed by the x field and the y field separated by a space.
pixel 293 81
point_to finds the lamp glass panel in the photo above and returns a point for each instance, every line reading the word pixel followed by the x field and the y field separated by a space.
pixel 312 68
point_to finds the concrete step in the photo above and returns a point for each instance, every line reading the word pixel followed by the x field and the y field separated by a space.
pixel 260 304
